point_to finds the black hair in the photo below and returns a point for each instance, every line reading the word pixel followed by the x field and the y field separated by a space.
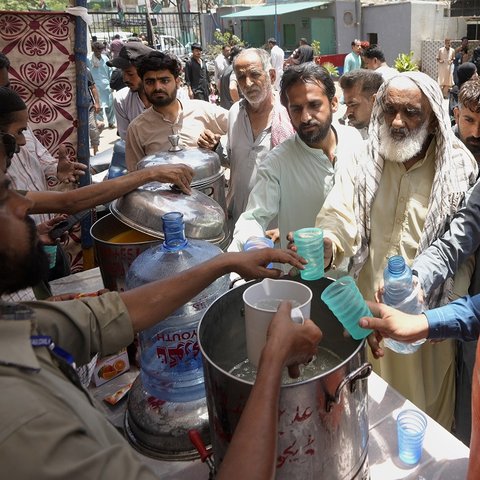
pixel 374 52
pixel 308 72
pixel 155 61
pixel 369 81
pixel 10 103
pixel 235 50
pixel 4 61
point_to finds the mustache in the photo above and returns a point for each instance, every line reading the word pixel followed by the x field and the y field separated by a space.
pixel 475 140
pixel 399 132
pixel 310 123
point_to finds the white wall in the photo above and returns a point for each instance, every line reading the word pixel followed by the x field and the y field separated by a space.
pixel 429 23
pixel 391 22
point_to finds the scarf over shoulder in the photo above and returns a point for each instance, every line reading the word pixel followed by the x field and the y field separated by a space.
pixel 455 172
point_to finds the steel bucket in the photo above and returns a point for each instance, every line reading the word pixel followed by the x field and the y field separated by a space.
pixel 323 421
pixel 115 258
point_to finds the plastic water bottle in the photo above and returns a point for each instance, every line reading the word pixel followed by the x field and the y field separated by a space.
pixel 171 363
pixel 400 293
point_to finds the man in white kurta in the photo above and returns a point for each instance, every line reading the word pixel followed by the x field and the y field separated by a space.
pixel 396 205
pixel 256 124
pixel 445 58
pixel 297 175
pixel 277 57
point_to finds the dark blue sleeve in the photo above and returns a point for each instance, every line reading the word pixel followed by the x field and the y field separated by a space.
pixel 459 319
pixel 443 257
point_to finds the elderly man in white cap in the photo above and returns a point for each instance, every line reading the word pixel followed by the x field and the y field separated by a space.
pixel 398 203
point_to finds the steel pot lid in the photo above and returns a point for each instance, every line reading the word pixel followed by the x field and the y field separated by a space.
pixel 142 209
pixel 205 163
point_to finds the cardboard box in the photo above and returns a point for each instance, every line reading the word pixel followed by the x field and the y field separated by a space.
pixel 110 367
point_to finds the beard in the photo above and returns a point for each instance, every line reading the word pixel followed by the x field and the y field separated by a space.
pixel 405 146
pixel 473 145
pixel 315 136
pixel 256 95
pixel 161 101
pixel 21 271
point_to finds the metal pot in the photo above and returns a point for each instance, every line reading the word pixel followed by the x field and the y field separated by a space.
pixel 208 176
pixel 323 421
pixel 114 255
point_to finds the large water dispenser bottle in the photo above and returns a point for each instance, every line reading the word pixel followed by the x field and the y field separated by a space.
pixel 171 364
pixel 401 294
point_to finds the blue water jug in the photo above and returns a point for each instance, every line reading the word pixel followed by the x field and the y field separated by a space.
pixel 171 363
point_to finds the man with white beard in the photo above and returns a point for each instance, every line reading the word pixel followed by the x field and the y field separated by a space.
pixel 256 124
pixel 398 203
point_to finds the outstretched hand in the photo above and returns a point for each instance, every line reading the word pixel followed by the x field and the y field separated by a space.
pixel 289 342
pixel 253 264
pixel 208 140
pixel 67 170
pixel 391 323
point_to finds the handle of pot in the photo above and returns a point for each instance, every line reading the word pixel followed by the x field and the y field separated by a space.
pixel 351 379
pixel 208 191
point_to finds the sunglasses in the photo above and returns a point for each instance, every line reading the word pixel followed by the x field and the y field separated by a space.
pixel 9 143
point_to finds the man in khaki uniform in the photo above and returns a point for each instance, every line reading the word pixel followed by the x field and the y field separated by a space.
pixel 49 427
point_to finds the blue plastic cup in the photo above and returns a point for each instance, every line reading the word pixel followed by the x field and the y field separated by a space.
pixel 345 301
pixel 309 243
pixel 411 426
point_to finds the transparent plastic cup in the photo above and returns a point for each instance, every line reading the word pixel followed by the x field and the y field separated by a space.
pixel 345 301
pixel 309 243
pixel 411 426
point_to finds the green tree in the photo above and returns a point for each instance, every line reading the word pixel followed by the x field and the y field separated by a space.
pixel 316 47
pixel 405 63
pixel 27 5
pixel 221 39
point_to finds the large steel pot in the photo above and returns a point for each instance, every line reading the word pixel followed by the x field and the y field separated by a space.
pixel 323 421
pixel 208 173
pixel 114 255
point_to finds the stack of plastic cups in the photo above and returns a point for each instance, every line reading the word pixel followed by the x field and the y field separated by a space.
pixel 309 243
pixel 345 301
pixel 256 243
pixel 411 426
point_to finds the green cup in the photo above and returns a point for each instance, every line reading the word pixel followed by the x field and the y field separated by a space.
pixel 51 251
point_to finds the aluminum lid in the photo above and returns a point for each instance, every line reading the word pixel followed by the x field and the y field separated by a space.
pixel 205 163
pixel 142 209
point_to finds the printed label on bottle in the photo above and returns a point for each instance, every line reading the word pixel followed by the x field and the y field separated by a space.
pixel 178 349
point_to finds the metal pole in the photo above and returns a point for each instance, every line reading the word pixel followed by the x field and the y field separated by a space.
pixel 275 24
pixel 83 104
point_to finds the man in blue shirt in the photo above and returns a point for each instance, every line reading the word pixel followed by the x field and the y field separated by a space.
pixel 353 61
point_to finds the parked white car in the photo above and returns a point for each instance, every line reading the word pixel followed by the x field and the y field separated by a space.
pixel 108 36
pixel 166 43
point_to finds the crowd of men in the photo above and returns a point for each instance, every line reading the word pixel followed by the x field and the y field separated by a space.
pixel 397 180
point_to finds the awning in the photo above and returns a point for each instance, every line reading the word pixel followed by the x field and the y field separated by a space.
pixel 269 10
